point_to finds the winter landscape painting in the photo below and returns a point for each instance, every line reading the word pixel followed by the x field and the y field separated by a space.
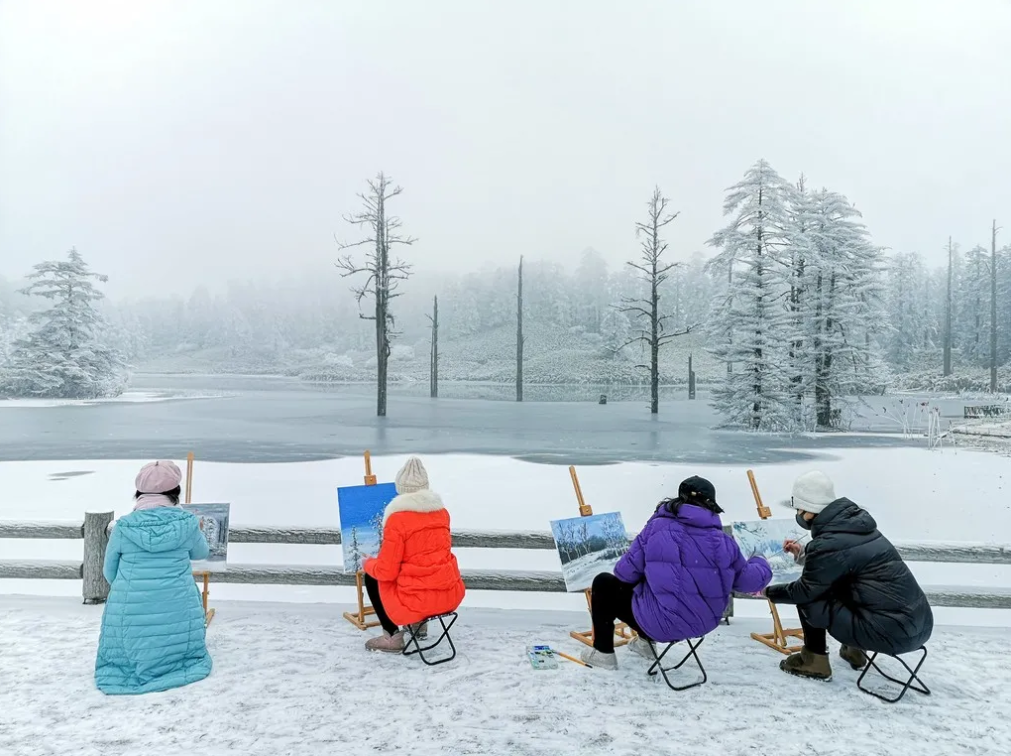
pixel 765 538
pixel 361 516
pixel 588 546
pixel 213 519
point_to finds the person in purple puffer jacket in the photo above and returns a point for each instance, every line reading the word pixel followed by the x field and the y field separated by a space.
pixel 676 579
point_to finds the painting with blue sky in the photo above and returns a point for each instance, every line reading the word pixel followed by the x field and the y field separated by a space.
pixel 361 518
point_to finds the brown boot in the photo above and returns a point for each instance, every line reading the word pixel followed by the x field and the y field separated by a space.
pixel 854 657
pixel 806 664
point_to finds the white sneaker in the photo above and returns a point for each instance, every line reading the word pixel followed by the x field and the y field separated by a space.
pixel 643 648
pixel 599 660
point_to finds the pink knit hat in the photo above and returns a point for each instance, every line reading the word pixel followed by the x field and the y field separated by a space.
pixel 158 477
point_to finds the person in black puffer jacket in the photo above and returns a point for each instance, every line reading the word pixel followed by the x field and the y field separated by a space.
pixel 855 585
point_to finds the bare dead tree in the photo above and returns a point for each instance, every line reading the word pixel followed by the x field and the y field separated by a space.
pixel 519 333
pixel 383 272
pixel 993 309
pixel 433 371
pixel 653 272
pixel 947 312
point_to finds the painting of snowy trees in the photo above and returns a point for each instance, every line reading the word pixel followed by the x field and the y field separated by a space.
pixel 361 511
pixel 588 546
pixel 765 538
pixel 213 521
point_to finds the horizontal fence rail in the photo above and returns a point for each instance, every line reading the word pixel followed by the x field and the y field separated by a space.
pixel 96 526
pixel 534 540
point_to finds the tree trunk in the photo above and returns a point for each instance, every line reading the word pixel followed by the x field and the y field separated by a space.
pixel 519 334
pixel 382 306
pixel 435 350
pixel 993 309
pixel 947 315
pixel 823 370
pixel 654 348
pixel 96 539
pixel 756 417
pixel 691 379
pixel 730 290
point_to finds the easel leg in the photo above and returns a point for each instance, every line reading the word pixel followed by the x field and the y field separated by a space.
pixel 358 619
pixel 780 637
pixel 205 596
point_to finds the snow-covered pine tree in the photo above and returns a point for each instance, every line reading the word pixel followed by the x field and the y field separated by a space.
pixel 912 328
pixel 615 328
pixel 972 314
pixel 750 326
pixel 841 303
pixel 591 290
pixel 356 553
pixel 377 524
pixel 65 355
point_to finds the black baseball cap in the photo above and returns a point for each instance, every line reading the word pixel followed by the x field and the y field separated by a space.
pixel 695 488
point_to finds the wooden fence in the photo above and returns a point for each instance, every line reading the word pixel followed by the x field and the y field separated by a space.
pixel 95 528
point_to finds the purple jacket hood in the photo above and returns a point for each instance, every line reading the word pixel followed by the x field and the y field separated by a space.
pixel 685 568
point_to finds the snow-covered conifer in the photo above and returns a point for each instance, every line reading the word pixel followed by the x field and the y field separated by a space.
pixel 65 356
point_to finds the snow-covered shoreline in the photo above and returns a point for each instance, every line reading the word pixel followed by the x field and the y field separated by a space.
pixel 127 397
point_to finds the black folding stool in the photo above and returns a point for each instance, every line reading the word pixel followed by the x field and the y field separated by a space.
pixel 910 683
pixel 412 639
pixel 657 665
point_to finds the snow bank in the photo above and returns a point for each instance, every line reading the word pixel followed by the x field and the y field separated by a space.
pixel 127 397
pixel 915 494
pixel 297 680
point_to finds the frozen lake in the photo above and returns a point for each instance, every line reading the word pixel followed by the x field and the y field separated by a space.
pixel 268 419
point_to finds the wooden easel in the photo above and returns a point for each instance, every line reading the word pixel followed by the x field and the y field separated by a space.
pixel 358 619
pixel 205 576
pixel 778 639
pixel 622 632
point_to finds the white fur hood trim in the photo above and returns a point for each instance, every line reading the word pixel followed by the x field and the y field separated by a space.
pixel 419 501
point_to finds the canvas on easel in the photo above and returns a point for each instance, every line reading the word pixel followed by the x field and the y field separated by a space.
pixel 203 575
pixel 361 510
pixel 779 638
pixel 622 632
pixel 588 546
pixel 213 522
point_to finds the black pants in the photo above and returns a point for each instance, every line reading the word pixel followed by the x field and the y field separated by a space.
pixel 610 600
pixel 372 588
pixel 815 639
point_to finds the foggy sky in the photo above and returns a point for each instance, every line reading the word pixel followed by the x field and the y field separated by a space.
pixel 177 142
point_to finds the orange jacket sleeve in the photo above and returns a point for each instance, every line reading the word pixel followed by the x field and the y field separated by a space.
pixel 386 566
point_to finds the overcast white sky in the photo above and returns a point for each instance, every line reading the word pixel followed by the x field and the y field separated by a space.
pixel 175 141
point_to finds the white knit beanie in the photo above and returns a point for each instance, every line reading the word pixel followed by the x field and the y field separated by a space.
pixel 812 492
pixel 412 477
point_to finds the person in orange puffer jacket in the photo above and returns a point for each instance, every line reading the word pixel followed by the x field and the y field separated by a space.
pixel 415 576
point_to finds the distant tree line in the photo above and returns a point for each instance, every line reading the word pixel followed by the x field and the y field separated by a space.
pixel 797 301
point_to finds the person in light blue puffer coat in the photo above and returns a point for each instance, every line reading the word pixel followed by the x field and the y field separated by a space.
pixel 153 627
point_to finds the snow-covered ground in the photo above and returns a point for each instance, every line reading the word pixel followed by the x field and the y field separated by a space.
pixel 297 680
pixel 293 678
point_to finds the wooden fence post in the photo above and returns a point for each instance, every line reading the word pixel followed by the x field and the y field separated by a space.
pixel 96 538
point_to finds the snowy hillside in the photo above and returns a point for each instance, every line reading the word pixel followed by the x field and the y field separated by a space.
pixel 551 356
